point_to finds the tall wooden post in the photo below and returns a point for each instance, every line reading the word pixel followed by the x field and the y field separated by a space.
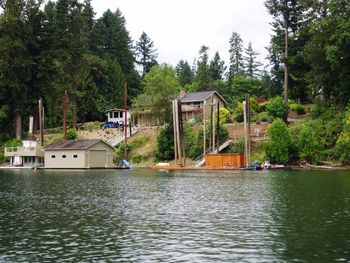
pixel 213 126
pixel 65 104
pixel 181 134
pixel 286 69
pixel 246 113
pixel 204 129
pixel 125 122
pixel 41 123
pixel 175 133
pixel 31 121
pixel 218 126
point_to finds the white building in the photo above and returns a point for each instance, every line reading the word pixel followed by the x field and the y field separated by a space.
pixel 29 155
pixel 117 115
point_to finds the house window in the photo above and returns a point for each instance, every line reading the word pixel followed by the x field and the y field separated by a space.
pixel 111 114
pixel 115 114
pixel 121 114
pixel 197 104
pixel 53 156
pixel 75 156
pixel 64 156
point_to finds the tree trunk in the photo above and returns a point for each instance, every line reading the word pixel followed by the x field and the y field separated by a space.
pixel 286 86
pixel 36 122
pixel 74 105
pixel 18 122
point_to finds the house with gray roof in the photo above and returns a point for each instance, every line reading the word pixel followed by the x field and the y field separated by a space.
pixel 193 103
pixel 79 154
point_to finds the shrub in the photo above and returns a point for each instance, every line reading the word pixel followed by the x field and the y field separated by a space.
pixel 71 134
pixel 279 144
pixel 165 144
pixel 225 116
pixel 298 108
pixel 263 117
pixel 342 148
pixel 307 144
pixel 277 108
pixel 3 159
pixel 236 147
pixel 13 143
pixel 138 158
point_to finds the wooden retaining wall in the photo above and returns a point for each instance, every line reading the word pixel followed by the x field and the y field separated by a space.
pixel 224 160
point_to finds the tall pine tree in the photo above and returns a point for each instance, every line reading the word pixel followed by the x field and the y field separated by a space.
pixel 236 55
pixel 146 53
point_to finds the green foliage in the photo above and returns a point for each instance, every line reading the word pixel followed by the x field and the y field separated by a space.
pixel 277 108
pixel 165 144
pixel 236 147
pixel 250 62
pixel 307 143
pixel 241 85
pixel 146 53
pixel 13 143
pixel 160 88
pixel 236 55
pixel 203 77
pixel 217 67
pixel 3 159
pixel 298 108
pixel 342 148
pixel 225 116
pixel 138 158
pixel 280 143
pixel 71 134
pixel 184 73
pixel 263 117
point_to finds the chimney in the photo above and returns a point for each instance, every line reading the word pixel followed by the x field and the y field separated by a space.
pixel 182 93
pixel 31 121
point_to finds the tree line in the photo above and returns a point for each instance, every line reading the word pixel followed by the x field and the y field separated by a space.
pixel 47 49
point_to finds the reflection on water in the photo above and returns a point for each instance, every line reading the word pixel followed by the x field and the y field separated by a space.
pixel 147 216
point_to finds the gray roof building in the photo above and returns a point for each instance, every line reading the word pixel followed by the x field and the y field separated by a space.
pixel 199 96
pixel 81 154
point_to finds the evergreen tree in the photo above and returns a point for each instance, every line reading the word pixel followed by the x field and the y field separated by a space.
pixel 251 63
pixel 287 17
pixel 16 42
pixel 111 41
pixel 203 78
pixel 145 53
pixel 236 55
pixel 184 73
pixel 217 67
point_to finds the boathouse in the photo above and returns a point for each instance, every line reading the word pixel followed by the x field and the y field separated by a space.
pixel 79 154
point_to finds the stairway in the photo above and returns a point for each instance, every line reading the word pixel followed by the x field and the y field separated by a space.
pixel 120 138
pixel 221 147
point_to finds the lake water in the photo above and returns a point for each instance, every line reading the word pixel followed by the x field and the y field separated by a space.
pixel 149 216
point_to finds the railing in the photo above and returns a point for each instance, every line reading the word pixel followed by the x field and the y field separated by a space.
pixel 11 149
pixel 24 151
pixel 210 150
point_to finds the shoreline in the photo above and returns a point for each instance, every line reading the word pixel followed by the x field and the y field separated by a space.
pixel 171 167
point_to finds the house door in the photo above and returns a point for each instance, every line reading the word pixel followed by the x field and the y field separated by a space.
pixel 98 158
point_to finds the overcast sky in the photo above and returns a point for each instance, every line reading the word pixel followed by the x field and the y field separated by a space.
pixel 179 27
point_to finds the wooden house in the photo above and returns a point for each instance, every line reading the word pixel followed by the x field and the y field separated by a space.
pixel 193 103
